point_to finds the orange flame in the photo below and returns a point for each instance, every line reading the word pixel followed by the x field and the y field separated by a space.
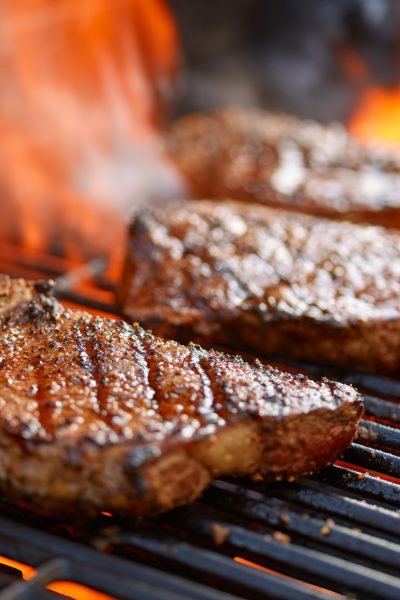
pixel 83 86
pixel 77 591
pixel 27 572
pixel 254 565
pixel 69 589
pixel 376 119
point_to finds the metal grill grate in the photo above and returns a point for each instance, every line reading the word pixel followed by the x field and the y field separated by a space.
pixel 334 535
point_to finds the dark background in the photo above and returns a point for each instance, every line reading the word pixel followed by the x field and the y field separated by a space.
pixel 307 57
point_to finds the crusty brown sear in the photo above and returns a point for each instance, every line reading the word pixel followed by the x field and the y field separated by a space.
pixel 98 415
pixel 285 162
pixel 265 280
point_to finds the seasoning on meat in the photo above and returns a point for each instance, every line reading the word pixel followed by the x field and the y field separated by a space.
pixel 97 415
pixel 282 161
pixel 252 277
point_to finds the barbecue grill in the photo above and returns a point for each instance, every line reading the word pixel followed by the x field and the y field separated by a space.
pixel 333 535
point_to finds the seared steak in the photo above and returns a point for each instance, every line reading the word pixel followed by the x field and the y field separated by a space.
pixel 98 415
pixel 284 162
pixel 252 277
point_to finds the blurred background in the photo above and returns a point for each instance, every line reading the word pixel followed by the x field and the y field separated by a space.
pixel 313 59
pixel 87 88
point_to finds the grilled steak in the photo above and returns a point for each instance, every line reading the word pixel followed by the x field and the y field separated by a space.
pixel 252 277
pixel 98 415
pixel 284 162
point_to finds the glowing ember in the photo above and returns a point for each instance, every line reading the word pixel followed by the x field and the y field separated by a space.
pixel 26 571
pixel 66 588
pixel 377 117
pixel 77 591
pixel 249 563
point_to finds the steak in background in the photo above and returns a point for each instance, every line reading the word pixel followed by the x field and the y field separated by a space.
pixel 98 415
pixel 268 281
pixel 284 162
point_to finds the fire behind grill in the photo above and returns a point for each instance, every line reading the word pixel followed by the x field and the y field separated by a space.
pixel 333 535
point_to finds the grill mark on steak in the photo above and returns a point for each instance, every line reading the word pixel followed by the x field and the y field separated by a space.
pixel 45 407
pixel 136 424
pixel 259 279
pixel 208 395
pixel 92 349
pixel 151 369
pixel 219 387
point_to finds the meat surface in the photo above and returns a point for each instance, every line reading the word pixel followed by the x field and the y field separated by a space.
pixel 99 415
pixel 285 162
pixel 266 280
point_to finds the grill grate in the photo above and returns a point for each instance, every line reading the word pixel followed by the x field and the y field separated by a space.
pixel 331 536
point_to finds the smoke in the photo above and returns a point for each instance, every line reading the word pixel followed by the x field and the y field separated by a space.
pixel 84 87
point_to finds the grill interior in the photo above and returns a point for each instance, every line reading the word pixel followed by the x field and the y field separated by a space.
pixel 333 535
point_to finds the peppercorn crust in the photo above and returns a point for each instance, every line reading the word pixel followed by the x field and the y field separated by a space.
pixel 267 281
pixel 97 415
pixel 279 160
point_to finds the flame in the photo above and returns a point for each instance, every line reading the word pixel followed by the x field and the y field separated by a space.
pixel 69 589
pixel 26 571
pixel 376 119
pixel 254 565
pixel 83 92
pixel 77 591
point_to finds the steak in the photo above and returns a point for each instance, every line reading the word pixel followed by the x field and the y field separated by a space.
pixel 99 415
pixel 261 279
pixel 288 163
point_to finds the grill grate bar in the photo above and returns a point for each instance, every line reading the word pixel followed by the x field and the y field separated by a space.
pixel 379 434
pixel 376 383
pixel 323 497
pixel 315 564
pixel 33 588
pixel 34 547
pixel 370 458
pixel 351 577
pixel 34 259
pixel 382 409
pixel 206 562
pixel 362 484
pixel 327 499
pixel 91 303
pixel 25 591
pixel 277 513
